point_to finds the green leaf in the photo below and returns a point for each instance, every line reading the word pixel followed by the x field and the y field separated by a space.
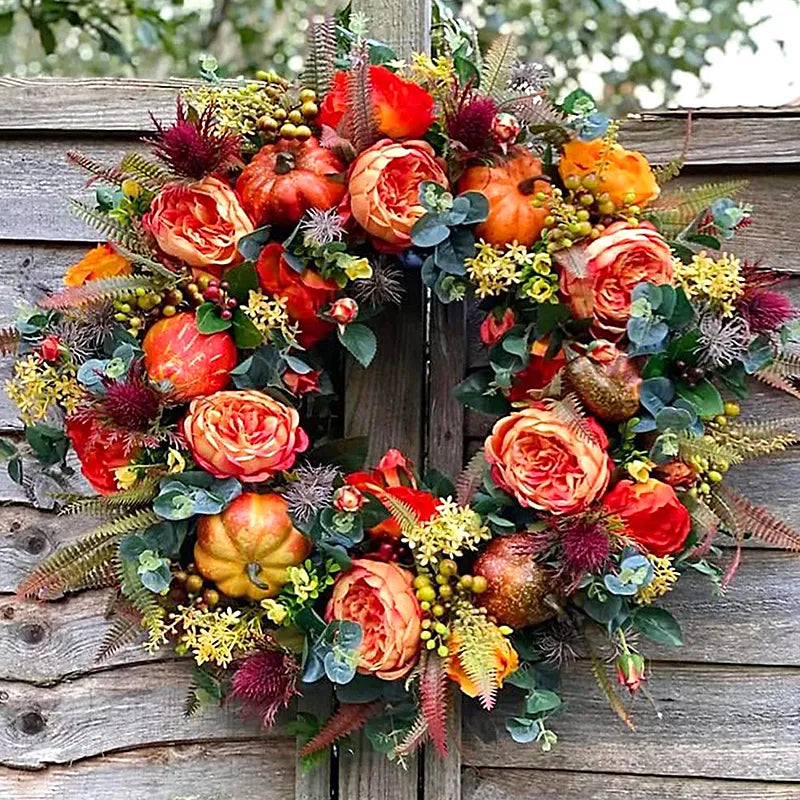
pixel 705 240
pixel 360 342
pixel 6 23
pixel 541 700
pixel 466 71
pixel 579 102
pixel 251 245
pixel 242 279
pixel 349 454
pixel 209 320
pixel 523 730
pixel 657 624
pixel 478 208
pixel 48 443
pixel 15 470
pixel 551 315
pixel 704 397
pixel 472 392
pixel 245 333
pixel 429 230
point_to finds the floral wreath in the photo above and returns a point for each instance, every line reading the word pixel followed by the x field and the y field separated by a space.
pixel 185 360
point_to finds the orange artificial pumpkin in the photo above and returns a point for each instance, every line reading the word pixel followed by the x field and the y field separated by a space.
pixel 246 549
pixel 509 187
pixel 287 178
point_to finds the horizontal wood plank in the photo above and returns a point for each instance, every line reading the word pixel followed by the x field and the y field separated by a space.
pixel 718 722
pixel 531 784
pixel 206 771
pixel 118 709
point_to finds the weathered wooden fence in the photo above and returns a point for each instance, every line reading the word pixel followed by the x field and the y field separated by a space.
pixel 71 728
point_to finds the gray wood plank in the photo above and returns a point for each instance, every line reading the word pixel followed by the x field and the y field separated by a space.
pixel 215 770
pixel 531 784
pixel 118 709
pixel 718 722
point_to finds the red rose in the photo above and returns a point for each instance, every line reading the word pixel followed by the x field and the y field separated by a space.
pixel 404 109
pixel 306 292
pixel 344 310
pixel 50 348
pixel 494 328
pixel 652 513
pixel 100 454
pixel 301 383
pixel 348 499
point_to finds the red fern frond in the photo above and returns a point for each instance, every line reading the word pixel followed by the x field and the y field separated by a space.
pixel 470 478
pixel 434 699
pixel 776 381
pixel 347 719
pixel 414 739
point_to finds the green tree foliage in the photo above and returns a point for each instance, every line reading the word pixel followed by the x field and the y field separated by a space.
pixel 628 43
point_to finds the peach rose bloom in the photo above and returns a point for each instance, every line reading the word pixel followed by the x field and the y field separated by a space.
pixel 243 434
pixel 626 173
pixel 199 224
pixel 379 595
pixel 618 260
pixel 384 188
pixel 506 662
pixel 535 456
pixel 100 262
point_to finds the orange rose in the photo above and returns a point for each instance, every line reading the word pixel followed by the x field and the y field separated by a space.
pixel 100 262
pixel 539 459
pixel 379 595
pixel 243 434
pixel 199 224
pixel 625 176
pixel 506 662
pixel 404 109
pixel 617 261
pixel 652 513
pixel 384 188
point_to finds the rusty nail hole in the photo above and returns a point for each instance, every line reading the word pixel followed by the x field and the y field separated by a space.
pixel 32 632
pixel 8 612
pixel 31 722
pixel 35 543
pixel 15 525
pixel 3 697
pixel 26 262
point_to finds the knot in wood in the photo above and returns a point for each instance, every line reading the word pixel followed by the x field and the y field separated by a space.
pixel 31 722
pixel 34 541
pixel 32 632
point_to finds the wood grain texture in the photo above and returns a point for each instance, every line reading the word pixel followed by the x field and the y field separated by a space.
pixel 118 709
pixel 206 771
pixel 531 784
pixel 718 722
pixel 314 784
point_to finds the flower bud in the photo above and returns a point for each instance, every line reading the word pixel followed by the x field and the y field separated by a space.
pixel 344 310
pixel 50 349
pixel 630 671
pixel 505 128
pixel 348 498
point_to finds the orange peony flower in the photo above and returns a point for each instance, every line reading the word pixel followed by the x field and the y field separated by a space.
pixel 506 662
pixel 384 188
pixel 652 513
pixel 379 595
pixel 100 454
pixel 535 456
pixel 199 224
pixel 243 434
pixel 626 174
pixel 617 261
pixel 404 109
pixel 306 293
pixel 100 262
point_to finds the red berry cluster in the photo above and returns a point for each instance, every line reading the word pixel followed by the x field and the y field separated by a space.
pixel 217 292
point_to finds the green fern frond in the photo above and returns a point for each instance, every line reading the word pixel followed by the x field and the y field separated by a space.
pixel 320 61
pixel 139 495
pixel 704 447
pixel 142 255
pixel 10 338
pixel 192 703
pixel 600 674
pixel 101 221
pixel 477 639
pixel 140 597
pixel 148 172
pixel 666 172
pixel 123 631
pixel 103 290
pixel 675 210
pixel 786 363
pixel 497 63
pixel 98 171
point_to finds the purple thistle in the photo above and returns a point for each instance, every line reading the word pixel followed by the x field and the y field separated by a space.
pixel 767 311
pixel 266 682
pixel 585 546
pixel 471 123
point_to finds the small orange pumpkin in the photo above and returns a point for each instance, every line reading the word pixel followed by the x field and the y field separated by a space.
pixel 246 549
pixel 287 178
pixel 509 187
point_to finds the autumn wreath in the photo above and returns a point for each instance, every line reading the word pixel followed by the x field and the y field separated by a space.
pixel 187 363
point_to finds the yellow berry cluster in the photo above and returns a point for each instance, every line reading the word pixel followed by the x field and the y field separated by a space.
pixel 436 596
pixel 289 118
pixel 135 309
pixel 712 470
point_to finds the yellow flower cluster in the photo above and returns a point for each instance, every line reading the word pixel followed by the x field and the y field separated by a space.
pixel 304 582
pixel 664 576
pixel 219 635
pixel 539 282
pixel 269 314
pixel 437 75
pixel 447 534
pixel 718 281
pixel 237 108
pixel 276 612
pixel 494 271
pixel 38 386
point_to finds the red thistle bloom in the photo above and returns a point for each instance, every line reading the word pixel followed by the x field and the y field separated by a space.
pixel 131 403
pixel 471 122
pixel 266 683
pixel 192 146
pixel 767 311
pixel 585 547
